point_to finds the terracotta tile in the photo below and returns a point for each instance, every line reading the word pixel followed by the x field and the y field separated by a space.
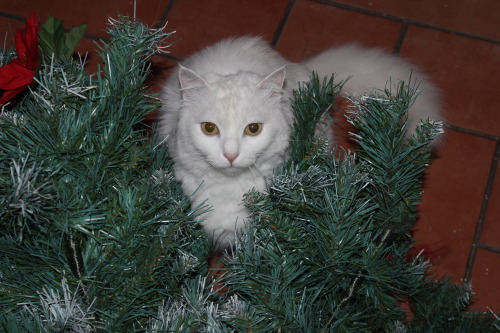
pixel 484 280
pixel 453 193
pixel 478 17
pixel 313 27
pixel 8 29
pixel 93 12
pixel 490 234
pixel 161 68
pixel 467 71
pixel 201 23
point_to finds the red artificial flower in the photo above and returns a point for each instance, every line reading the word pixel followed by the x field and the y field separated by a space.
pixel 19 72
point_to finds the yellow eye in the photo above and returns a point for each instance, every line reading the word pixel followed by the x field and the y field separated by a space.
pixel 209 128
pixel 253 129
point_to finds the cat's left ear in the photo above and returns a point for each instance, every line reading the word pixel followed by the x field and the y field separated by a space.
pixel 274 81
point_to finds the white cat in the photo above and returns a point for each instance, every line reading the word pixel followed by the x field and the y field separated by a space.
pixel 227 117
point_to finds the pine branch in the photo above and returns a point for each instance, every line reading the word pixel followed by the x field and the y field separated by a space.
pixel 97 235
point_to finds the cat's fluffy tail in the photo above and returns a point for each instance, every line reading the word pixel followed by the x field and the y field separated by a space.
pixel 371 69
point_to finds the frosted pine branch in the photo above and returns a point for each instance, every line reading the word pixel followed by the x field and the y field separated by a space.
pixel 27 195
pixel 64 312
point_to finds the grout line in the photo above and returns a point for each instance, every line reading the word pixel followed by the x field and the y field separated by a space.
pixel 163 18
pixel 168 56
pixel 95 37
pixel 401 37
pixel 359 10
pixel 482 213
pixel 405 20
pixel 453 32
pixel 282 23
pixel 472 132
pixel 337 5
pixel 12 16
pixel 488 247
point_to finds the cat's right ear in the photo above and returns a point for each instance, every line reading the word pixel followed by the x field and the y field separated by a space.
pixel 189 79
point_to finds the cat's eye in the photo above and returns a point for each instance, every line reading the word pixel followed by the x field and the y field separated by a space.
pixel 253 129
pixel 209 128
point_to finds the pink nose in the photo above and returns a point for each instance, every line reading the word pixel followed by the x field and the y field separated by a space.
pixel 231 157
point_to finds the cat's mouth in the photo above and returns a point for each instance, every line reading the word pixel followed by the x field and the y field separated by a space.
pixel 232 170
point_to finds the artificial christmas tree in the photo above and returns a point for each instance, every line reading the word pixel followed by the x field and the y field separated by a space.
pixel 97 236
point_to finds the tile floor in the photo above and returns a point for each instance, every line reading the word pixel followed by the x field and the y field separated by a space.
pixel 456 42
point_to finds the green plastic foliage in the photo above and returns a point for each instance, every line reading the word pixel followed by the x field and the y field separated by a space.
pixel 327 251
pixel 96 233
pixel 55 40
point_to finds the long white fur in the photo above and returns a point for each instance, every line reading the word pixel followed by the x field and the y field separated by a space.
pixel 242 80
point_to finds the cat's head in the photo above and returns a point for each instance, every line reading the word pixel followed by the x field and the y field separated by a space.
pixel 233 122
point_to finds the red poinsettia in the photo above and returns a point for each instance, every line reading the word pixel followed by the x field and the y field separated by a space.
pixel 19 73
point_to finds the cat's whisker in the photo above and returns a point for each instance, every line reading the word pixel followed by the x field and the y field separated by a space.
pixel 251 171
pixel 256 168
